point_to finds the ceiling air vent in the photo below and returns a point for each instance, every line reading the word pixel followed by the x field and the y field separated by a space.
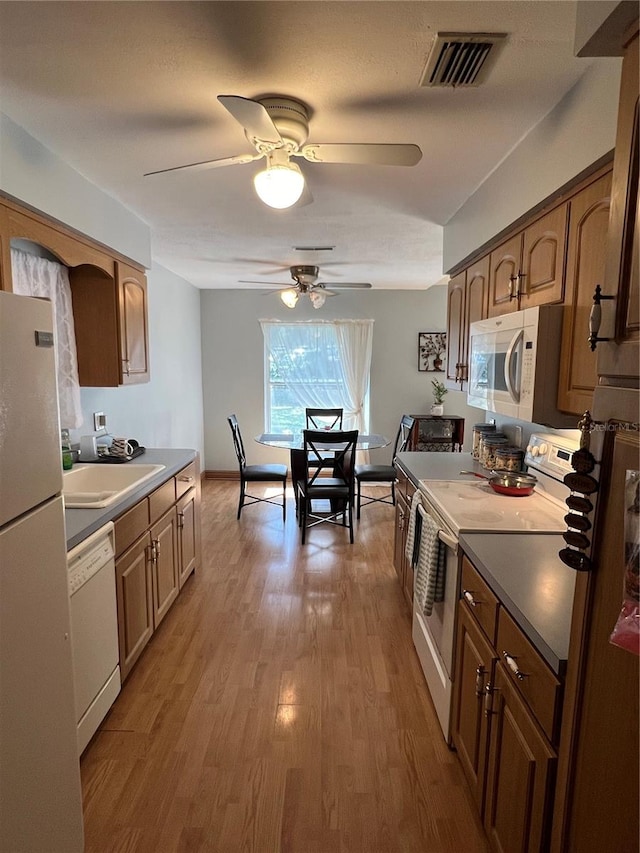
pixel 461 59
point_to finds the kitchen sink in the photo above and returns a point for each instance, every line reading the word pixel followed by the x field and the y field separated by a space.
pixel 95 486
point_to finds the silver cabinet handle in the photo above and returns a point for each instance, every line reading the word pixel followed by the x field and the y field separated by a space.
pixel 512 663
pixel 479 680
pixel 468 595
pixel 185 479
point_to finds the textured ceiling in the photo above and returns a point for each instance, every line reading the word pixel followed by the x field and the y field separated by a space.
pixel 118 89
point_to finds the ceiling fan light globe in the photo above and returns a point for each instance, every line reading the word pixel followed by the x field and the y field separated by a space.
pixel 317 299
pixel 279 186
pixel 289 297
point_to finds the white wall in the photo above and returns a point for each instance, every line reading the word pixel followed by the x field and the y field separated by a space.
pixel 35 175
pixel 576 133
pixel 233 362
pixel 167 411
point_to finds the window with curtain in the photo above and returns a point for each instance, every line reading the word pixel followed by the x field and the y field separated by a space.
pixel 316 364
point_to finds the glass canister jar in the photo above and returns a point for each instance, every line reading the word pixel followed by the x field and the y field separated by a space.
pixel 508 458
pixel 478 431
pixel 489 445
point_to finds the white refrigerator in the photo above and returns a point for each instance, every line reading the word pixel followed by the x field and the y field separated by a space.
pixel 40 792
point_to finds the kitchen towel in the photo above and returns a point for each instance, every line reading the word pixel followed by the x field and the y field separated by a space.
pixel 411 532
pixel 428 582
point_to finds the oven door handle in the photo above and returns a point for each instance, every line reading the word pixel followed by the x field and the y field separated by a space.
pixel 449 541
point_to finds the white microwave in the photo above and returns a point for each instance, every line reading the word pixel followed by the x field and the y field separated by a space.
pixel 514 362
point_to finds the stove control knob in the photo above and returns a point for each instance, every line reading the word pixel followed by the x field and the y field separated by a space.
pixel 535 451
pixel 543 449
pixel 529 448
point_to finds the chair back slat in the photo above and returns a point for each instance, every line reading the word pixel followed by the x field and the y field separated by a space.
pixel 341 443
pixel 403 435
pixel 319 418
pixel 238 445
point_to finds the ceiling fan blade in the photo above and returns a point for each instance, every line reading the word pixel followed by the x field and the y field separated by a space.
pixel 237 160
pixel 266 283
pixel 253 117
pixel 374 154
pixel 363 285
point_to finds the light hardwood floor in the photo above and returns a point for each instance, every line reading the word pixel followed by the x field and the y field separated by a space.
pixel 280 707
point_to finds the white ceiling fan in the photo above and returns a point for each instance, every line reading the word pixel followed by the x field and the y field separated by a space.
pixel 307 284
pixel 278 128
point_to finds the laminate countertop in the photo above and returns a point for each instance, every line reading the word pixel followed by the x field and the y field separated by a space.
pixel 80 523
pixel 436 466
pixel 536 588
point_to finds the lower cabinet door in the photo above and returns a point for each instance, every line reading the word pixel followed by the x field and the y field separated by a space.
pixel 188 533
pixel 521 769
pixel 164 564
pixel 135 605
pixel 470 727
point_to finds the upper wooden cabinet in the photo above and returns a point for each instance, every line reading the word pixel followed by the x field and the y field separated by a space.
pixel 132 313
pixel 586 256
pixel 620 357
pixel 109 297
pixel 110 315
pixel 467 301
pixel 528 269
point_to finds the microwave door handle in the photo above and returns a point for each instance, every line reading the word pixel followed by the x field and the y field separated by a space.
pixel 508 366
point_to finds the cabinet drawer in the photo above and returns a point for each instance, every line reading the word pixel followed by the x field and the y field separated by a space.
pixel 401 482
pixel 160 500
pixel 481 602
pixel 186 479
pixel 131 525
pixel 534 680
pixel 410 491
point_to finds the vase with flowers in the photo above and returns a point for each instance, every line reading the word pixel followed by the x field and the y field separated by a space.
pixel 439 391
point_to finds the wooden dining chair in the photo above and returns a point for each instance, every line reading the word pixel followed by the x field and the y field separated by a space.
pixel 338 489
pixel 269 473
pixel 384 473
pixel 324 418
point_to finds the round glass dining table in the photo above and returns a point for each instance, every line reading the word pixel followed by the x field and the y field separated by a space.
pixel 295 441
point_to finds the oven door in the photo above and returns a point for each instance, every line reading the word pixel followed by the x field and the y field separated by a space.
pixel 433 635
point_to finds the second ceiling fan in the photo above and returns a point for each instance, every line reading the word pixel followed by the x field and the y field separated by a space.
pixel 278 128
pixel 307 284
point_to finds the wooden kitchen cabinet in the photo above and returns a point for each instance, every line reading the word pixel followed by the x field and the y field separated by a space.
pixel 158 545
pixel 619 359
pixel 528 269
pixel 110 316
pixel 504 723
pixel 164 564
pixel 475 661
pixel 586 258
pixel 520 774
pixel 135 602
pixel 131 286
pixel 405 491
pixel 467 301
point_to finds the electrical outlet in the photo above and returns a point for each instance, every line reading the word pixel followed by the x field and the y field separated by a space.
pixel 99 421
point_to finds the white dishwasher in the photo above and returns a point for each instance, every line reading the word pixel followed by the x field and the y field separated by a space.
pixel 94 630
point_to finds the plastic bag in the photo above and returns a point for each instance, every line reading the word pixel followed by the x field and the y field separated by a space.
pixel 626 632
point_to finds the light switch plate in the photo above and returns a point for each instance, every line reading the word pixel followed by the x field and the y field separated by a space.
pixel 99 421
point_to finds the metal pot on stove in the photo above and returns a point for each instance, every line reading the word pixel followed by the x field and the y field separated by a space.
pixel 511 483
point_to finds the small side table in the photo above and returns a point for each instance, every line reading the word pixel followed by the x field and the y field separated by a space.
pixel 443 433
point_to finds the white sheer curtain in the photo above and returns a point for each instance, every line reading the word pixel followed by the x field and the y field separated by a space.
pixel 355 340
pixel 324 364
pixel 35 276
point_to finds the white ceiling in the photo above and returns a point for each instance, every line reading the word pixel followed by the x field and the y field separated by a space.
pixel 118 89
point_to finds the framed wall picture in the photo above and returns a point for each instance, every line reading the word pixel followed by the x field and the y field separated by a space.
pixel 431 349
